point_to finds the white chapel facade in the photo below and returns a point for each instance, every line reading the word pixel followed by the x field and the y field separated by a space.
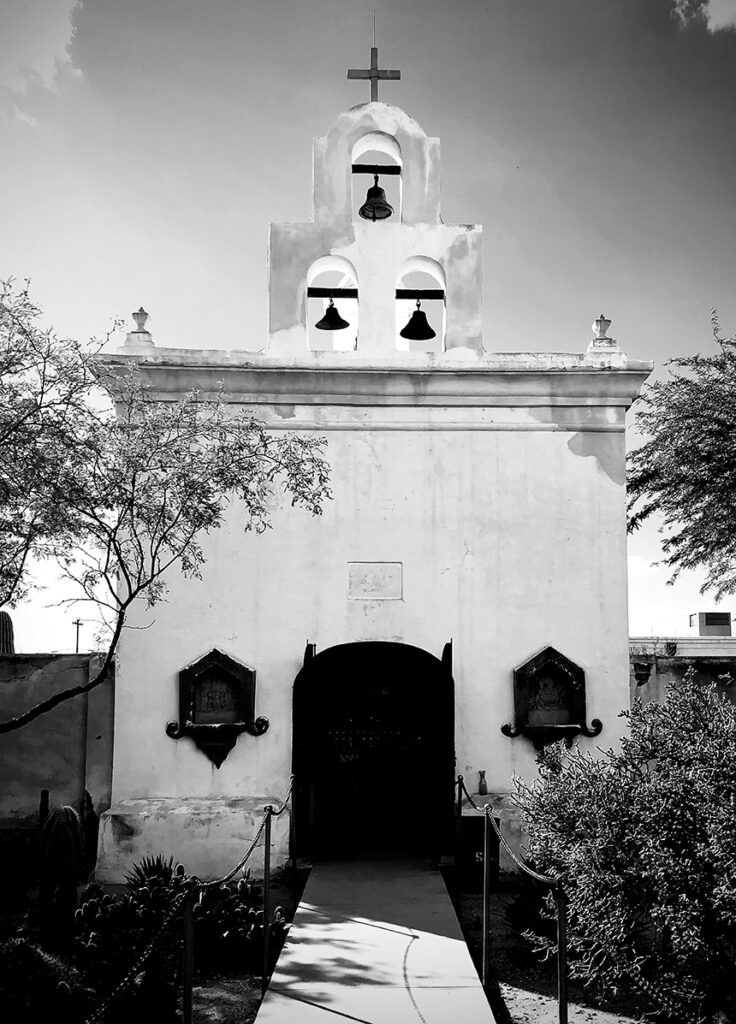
pixel 461 599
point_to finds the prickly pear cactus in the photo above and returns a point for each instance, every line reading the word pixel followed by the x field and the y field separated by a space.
pixel 7 641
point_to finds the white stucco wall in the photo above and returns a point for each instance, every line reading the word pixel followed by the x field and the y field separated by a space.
pixel 501 492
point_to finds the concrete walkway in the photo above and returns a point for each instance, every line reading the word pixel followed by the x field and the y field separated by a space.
pixel 375 942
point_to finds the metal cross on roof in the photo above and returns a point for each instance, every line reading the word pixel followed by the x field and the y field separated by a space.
pixel 373 72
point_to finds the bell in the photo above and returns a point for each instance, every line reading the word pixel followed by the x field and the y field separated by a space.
pixel 331 321
pixel 418 329
pixel 376 206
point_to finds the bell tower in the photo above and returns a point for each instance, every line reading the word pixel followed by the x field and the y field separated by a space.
pixel 366 259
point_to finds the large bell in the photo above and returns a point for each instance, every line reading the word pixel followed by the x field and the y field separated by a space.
pixel 418 328
pixel 331 321
pixel 376 206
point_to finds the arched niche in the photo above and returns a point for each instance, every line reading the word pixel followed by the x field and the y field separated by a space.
pixel 425 279
pixel 380 152
pixel 332 277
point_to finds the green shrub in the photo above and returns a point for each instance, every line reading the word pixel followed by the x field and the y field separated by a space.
pixel 646 837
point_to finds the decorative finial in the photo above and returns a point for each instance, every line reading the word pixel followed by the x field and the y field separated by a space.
pixel 141 339
pixel 604 350
pixel 600 327
pixel 140 321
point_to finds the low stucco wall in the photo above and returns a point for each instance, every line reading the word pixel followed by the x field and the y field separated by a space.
pixel 65 751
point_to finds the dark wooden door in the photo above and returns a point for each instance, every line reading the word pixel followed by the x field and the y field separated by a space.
pixel 373 752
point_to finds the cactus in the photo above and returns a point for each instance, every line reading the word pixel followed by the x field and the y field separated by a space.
pixel 37 986
pixel 7 640
pixel 61 860
pixel 159 867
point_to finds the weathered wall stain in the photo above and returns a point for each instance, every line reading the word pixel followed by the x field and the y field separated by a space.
pixel 606 449
pixel 122 829
pixel 286 412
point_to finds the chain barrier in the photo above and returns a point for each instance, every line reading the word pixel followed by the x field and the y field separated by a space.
pixel 216 882
pixel 672 1002
pixel 128 978
pixel 194 888
pixel 489 826
pixel 286 799
pixel 488 811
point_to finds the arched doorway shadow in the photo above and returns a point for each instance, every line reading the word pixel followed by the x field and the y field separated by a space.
pixel 373 752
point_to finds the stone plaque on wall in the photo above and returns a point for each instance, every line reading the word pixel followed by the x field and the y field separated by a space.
pixel 375 581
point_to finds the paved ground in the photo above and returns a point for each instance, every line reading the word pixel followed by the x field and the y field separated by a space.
pixel 532 1008
pixel 375 942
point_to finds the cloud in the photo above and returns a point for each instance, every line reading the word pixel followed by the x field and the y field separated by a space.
pixel 35 57
pixel 721 14
pixel 14 113
pixel 717 15
pixel 36 41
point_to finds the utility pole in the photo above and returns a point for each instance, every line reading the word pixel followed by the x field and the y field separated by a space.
pixel 77 623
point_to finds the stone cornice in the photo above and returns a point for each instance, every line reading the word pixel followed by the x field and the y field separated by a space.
pixel 500 380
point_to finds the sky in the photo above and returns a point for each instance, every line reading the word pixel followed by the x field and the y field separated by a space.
pixel 145 146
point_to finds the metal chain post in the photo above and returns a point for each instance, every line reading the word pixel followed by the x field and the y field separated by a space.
pixel 458 828
pixel 187 956
pixel 561 952
pixel 266 896
pixel 490 823
pixel 486 947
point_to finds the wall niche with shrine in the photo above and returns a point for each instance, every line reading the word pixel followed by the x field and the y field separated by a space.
pixel 549 701
pixel 217 697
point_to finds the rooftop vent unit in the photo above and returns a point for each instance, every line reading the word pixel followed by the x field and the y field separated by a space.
pixel 711 624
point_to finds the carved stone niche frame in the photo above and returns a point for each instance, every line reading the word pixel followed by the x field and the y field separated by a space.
pixel 549 701
pixel 217 697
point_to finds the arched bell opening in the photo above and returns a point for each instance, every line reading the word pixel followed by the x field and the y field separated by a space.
pixel 373 752
pixel 332 305
pixel 421 311
pixel 376 178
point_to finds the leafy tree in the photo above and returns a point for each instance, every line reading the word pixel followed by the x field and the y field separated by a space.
pixel 119 499
pixel 646 841
pixel 46 387
pixel 686 468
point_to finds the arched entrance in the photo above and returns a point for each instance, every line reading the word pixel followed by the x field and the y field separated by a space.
pixel 373 752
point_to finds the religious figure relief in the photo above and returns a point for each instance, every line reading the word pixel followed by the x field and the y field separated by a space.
pixel 549 700
pixel 216 700
pixel 216 704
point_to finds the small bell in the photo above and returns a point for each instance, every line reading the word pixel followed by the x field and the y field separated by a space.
pixel 331 321
pixel 376 206
pixel 418 328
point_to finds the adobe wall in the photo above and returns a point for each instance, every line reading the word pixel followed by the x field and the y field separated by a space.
pixel 64 751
